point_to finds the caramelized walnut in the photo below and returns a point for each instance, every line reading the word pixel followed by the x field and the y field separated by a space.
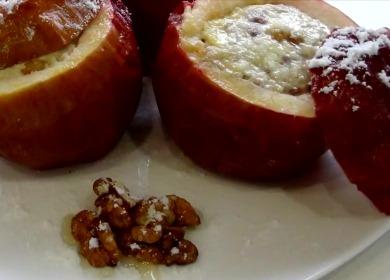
pixel 115 210
pixel 32 28
pixel 150 255
pixel 97 242
pixel 171 237
pixel 149 234
pixel 126 243
pixel 154 210
pixel 184 253
pixel 107 185
pixel 82 225
pixel 185 213
pixel 151 230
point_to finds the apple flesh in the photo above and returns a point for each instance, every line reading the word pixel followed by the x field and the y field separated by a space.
pixel 223 132
pixel 77 107
pixel 353 106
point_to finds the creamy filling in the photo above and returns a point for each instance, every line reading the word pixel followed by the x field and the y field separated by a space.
pixel 263 48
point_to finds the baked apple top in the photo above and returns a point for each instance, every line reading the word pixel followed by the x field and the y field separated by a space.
pixel 32 28
pixel 24 74
pixel 255 50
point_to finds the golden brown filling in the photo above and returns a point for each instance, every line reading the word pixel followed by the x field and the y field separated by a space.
pixel 32 28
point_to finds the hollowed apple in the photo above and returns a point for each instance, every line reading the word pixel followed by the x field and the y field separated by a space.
pixel 232 84
pixel 72 105
pixel 351 89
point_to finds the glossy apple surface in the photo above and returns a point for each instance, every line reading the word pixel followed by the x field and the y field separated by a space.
pixel 75 105
pixel 353 106
pixel 28 29
pixel 225 133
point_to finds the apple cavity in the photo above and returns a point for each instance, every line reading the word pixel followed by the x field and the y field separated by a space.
pixel 232 84
pixel 351 89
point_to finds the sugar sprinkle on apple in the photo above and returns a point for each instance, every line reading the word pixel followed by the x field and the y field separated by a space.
pixel 351 90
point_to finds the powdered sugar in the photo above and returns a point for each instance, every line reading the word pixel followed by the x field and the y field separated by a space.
pixel 157 228
pixel 9 6
pixel 93 243
pixel 103 226
pixel 352 79
pixel 93 5
pixel 355 108
pixel 329 88
pixel 348 49
pixel 175 251
pixel 320 62
pixel 384 78
pixel 134 246
pixel 154 215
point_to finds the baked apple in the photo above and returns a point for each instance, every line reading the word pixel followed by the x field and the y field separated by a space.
pixel 150 19
pixel 70 80
pixel 232 84
pixel 351 89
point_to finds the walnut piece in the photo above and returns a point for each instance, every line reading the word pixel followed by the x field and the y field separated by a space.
pixel 150 230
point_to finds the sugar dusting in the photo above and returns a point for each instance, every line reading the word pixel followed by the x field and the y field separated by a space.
pixel 329 88
pixel 175 251
pixel 9 6
pixel 384 78
pixel 93 243
pixel 348 49
pixel 56 17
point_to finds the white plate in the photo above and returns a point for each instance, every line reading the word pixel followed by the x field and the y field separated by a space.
pixel 300 229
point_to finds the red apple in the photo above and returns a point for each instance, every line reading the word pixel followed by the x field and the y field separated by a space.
pixel 75 106
pixel 150 19
pixel 228 130
pixel 351 89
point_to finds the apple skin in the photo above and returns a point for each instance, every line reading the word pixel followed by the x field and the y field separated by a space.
pixel 150 19
pixel 359 140
pixel 222 132
pixel 80 115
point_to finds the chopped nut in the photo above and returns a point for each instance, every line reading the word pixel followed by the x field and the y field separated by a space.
pixel 97 257
pixel 81 225
pixel 150 233
pixel 114 210
pixel 171 237
pixel 150 255
pixel 97 241
pixel 151 230
pixel 154 210
pixel 107 185
pixel 184 253
pixel 185 213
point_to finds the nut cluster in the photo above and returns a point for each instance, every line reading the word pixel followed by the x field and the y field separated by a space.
pixel 150 229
